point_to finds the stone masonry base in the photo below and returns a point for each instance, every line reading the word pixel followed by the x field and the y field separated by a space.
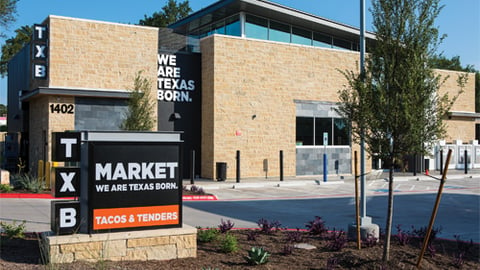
pixel 160 244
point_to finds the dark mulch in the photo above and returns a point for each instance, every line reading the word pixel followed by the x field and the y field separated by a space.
pixel 25 254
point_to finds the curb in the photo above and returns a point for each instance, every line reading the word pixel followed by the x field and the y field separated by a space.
pixel 49 196
pixel 31 196
pixel 199 198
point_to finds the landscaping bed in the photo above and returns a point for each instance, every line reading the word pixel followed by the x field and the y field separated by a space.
pixel 331 252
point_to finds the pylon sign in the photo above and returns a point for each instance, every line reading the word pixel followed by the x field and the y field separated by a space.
pixel 126 181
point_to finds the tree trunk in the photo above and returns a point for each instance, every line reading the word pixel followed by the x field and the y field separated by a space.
pixel 388 226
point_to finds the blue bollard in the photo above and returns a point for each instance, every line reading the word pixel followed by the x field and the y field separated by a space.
pixel 325 168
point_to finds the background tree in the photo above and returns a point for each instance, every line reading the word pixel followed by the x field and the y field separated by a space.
pixel 8 9
pixel 441 62
pixel 3 110
pixel 13 45
pixel 139 114
pixel 395 103
pixel 170 13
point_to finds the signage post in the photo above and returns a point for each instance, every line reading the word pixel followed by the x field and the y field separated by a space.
pixel 325 161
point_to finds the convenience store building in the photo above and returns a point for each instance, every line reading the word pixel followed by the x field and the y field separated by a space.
pixel 239 75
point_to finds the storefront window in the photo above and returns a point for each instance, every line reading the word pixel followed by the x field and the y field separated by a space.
pixel 341 132
pixel 310 131
pixel 320 40
pixel 304 131
pixel 256 27
pixel 218 28
pixel 323 125
pixel 301 36
pixel 232 26
pixel 342 44
pixel 279 32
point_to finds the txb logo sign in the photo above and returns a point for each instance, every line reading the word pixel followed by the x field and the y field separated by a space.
pixel 129 181
pixel 66 214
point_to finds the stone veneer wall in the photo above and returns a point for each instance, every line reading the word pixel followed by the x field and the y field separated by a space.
pixel 245 77
pixel 100 55
pixel 42 123
pixel 86 54
pixel 161 244
pixel 248 92
pixel 459 128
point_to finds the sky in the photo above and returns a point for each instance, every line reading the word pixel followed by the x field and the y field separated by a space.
pixel 459 19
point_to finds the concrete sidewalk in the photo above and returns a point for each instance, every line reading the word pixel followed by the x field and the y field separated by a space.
pixel 259 182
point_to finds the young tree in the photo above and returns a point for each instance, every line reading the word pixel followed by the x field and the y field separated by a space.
pixel 139 115
pixel 170 13
pixel 394 105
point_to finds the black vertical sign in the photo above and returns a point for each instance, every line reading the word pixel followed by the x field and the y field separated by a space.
pixel 65 215
pixel 40 52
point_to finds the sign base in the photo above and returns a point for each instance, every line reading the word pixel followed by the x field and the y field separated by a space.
pixel 160 244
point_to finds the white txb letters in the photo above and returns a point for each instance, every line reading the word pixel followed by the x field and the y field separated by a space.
pixel 39 31
pixel 68 217
pixel 67 182
pixel 40 71
pixel 68 145
pixel 40 51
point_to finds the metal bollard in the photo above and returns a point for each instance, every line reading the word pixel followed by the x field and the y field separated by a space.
pixel 281 165
pixel 238 166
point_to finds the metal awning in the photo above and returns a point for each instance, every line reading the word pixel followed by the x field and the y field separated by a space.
pixel 225 8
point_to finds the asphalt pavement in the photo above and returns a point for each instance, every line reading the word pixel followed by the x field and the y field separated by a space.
pixel 294 195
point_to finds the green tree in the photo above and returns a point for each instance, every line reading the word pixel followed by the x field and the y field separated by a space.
pixel 13 45
pixel 394 105
pixel 441 62
pixel 8 9
pixel 170 13
pixel 3 109
pixel 139 115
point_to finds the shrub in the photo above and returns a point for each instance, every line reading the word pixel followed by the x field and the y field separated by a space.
pixel 268 227
pixel 422 232
pixel 29 182
pixel 228 244
pixel 252 235
pixel 463 248
pixel 5 188
pixel 13 230
pixel 402 236
pixel 316 226
pixel 295 236
pixel 225 226
pixel 197 190
pixel 207 235
pixel 257 256
pixel 337 240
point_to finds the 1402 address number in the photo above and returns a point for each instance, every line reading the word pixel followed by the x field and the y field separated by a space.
pixel 62 108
